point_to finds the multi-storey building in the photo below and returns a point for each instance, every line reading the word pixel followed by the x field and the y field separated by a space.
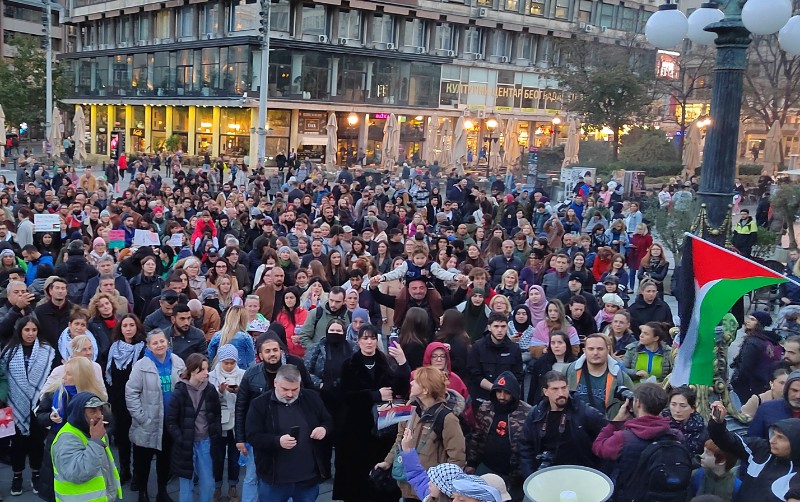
pixel 192 68
pixel 25 17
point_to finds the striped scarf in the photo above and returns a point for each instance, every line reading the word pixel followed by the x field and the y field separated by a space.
pixel 25 385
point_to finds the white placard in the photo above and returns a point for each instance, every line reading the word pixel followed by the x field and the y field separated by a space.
pixel 46 222
pixel 176 240
pixel 145 238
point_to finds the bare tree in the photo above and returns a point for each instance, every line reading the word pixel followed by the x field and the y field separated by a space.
pixel 690 81
pixel 771 82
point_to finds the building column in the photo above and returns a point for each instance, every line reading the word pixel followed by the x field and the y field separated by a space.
pixel 168 125
pixel 93 128
pixel 368 85
pixel 253 128
pixel 294 131
pixel 192 131
pixel 148 128
pixel 128 124
pixel 363 131
pixel 334 76
pixel 215 139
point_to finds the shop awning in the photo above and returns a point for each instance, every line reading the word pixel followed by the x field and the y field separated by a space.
pixel 314 140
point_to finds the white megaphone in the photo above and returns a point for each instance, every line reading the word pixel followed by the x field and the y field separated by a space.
pixel 568 483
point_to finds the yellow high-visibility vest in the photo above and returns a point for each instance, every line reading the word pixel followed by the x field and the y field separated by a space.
pixel 93 490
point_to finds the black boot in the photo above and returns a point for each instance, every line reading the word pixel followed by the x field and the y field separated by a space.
pixel 35 481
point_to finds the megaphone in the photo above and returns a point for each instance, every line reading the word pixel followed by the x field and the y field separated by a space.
pixel 568 483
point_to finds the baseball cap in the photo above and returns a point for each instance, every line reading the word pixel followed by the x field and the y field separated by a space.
pixel 267 221
pixel 95 402
pixel 213 252
pixel 292 179
pixel 347 229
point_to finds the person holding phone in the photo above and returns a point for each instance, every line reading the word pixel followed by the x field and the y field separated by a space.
pixel 286 428
pixel 225 377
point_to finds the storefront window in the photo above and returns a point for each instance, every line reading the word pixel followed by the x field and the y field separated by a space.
pixel 180 118
pixel 423 78
pixel 102 130
pixel 278 128
pixel 122 69
pixel 234 128
pixel 162 74
pixel 119 117
pixel 203 124
pixel 158 118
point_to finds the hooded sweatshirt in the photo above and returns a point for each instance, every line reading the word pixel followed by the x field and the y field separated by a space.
pixel 765 477
pixel 497 450
pixel 201 421
pixel 773 411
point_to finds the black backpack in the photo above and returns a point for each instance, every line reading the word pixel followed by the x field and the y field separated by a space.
pixel 662 472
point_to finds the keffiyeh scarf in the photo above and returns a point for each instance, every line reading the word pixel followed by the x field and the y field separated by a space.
pixel 25 385
pixel 64 348
pixel 122 354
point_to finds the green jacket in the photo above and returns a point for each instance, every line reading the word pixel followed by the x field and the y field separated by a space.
pixel 636 359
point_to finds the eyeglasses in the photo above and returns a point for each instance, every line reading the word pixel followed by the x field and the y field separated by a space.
pixel 440 356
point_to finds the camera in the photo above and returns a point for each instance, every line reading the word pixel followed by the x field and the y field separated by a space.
pixel 546 459
pixel 623 393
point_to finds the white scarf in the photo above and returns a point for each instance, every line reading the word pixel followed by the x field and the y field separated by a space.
pixel 25 385
pixel 122 354
pixel 64 348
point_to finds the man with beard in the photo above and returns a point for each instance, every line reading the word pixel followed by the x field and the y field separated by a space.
pixel 560 430
pixel 770 412
pixel 316 324
pixel 256 381
pixel 289 464
pixel 185 338
pixel 494 443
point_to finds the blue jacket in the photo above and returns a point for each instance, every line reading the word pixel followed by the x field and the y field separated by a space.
pixel 243 343
pixel 30 275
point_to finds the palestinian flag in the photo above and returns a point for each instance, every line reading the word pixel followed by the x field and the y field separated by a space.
pixel 712 280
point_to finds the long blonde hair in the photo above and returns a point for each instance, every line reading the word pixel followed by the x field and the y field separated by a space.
pixel 235 321
pixel 83 377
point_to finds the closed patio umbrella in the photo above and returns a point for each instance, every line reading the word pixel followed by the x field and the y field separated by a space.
pixel 79 121
pixel 431 132
pixel 332 130
pixel 56 134
pixel 692 150
pixel 391 142
pixel 460 145
pixel 772 149
pixel 573 144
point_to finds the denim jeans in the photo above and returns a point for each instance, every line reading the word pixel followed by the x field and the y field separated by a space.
pixel 250 484
pixel 201 456
pixel 282 492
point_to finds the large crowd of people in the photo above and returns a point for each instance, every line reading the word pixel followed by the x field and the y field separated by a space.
pixel 274 329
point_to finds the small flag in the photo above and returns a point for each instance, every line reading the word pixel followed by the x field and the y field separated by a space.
pixel 713 279
pixel 394 415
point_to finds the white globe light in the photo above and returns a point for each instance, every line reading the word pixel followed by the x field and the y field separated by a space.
pixel 708 13
pixel 666 28
pixel 789 36
pixel 765 17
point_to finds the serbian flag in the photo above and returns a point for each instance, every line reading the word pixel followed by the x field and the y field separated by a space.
pixel 713 279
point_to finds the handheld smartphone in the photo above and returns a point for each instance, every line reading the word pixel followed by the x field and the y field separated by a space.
pixel 716 414
pixel 394 340
pixel 233 387
pixel 619 353
pixel 295 431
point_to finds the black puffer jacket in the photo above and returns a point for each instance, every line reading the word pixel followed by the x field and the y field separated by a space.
pixel 181 419
pixel 642 312
pixel 145 289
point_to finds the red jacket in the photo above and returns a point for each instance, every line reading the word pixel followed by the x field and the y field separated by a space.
pixel 635 255
pixel 283 319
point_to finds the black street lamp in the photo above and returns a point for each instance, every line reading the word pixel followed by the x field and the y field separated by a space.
pixel 730 30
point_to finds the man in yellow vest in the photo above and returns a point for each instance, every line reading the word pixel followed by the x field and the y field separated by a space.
pixel 83 466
